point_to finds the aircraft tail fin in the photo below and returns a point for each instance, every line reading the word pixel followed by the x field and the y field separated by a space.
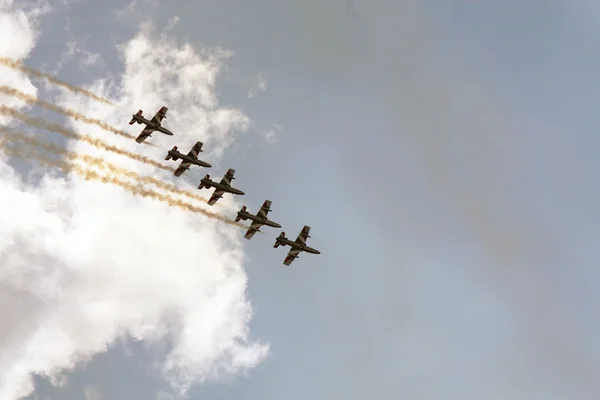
pixel 281 236
pixel 202 184
pixel 170 156
pixel 239 217
pixel 139 114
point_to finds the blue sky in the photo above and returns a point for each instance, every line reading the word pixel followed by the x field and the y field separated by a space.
pixel 443 154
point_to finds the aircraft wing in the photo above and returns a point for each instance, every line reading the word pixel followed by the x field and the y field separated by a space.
pixel 158 117
pixel 217 194
pixel 264 210
pixel 195 150
pixel 252 230
pixel 145 134
pixel 228 177
pixel 303 235
pixel 184 166
pixel 291 256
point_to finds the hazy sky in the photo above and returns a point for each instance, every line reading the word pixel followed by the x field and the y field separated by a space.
pixel 444 155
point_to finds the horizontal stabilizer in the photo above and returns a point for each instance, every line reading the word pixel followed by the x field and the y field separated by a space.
pixel 133 120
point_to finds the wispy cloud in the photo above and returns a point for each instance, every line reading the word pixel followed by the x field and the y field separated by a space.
pixel 259 84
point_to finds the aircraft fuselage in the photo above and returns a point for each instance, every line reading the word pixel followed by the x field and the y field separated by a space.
pixel 208 183
pixel 246 215
pixel 141 120
pixel 176 155
pixel 299 246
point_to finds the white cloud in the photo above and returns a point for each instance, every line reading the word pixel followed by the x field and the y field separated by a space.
pixel 76 49
pixel 270 135
pixel 82 264
pixel 164 396
pixel 259 84
pixel 91 393
pixel 162 72
pixel 138 11
pixel 173 22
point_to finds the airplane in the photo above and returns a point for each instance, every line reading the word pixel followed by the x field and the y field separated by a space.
pixel 186 159
pixel 297 246
pixel 258 220
pixel 220 187
pixel 152 125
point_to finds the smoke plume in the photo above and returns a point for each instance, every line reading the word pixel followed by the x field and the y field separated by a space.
pixel 65 111
pixel 70 134
pixel 14 64
pixel 51 147
pixel 113 178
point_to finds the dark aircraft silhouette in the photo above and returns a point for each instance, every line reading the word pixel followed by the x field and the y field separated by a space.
pixel 298 246
pixel 186 159
pixel 220 187
pixel 258 220
pixel 151 125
